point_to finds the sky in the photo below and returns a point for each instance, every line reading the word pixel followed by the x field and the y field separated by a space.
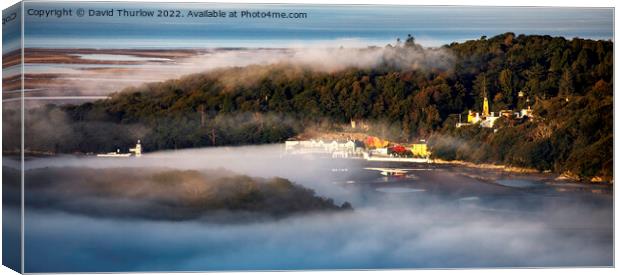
pixel 343 25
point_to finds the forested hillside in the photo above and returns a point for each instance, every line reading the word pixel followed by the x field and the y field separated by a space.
pixel 568 83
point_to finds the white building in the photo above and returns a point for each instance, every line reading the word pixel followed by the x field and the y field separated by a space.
pixel 489 121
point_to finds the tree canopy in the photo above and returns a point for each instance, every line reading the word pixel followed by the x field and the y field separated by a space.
pixel 568 82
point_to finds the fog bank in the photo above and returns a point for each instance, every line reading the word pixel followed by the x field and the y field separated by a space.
pixel 454 222
pixel 80 80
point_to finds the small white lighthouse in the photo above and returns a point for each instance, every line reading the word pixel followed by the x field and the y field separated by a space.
pixel 137 150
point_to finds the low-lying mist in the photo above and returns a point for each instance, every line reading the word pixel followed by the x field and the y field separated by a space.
pixel 170 194
pixel 87 82
pixel 266 161
pixel 421 236
pixel 428 229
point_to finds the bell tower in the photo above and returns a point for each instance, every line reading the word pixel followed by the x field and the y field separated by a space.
pixel 485 107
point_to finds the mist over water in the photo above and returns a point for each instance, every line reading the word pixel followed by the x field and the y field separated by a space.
pixel 455 221
pixel 78 80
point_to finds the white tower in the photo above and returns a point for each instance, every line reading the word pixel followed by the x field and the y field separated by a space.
pixel 137 150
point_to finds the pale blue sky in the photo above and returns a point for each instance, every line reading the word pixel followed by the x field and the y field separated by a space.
pixel 356 25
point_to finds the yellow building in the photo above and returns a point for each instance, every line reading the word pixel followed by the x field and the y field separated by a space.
pixel 473 117
pixel 420 150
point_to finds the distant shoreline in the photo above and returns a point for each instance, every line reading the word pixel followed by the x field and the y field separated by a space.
pixel 564 176
pixel 518 171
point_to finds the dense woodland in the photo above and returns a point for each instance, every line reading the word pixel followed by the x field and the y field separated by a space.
pixel 568 82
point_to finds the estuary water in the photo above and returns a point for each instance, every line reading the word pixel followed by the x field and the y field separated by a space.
pixel 449 220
